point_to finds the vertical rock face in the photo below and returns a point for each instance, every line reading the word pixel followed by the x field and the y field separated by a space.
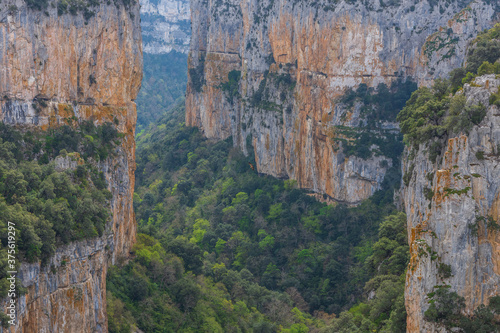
pixel 466 193
pixel 165 26
pixel 59 68
pixel 291 61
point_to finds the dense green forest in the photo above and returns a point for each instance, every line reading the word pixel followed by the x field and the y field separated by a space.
pixel 51 206
pixel 163 86
pixel 220 247
pixel 224 249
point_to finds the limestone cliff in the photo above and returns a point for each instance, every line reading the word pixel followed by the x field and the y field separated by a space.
pixel 61 66
pixel 165 26
pixel 449 205
pixel 290 61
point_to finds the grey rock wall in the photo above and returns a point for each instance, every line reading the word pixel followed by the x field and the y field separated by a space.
pixel 296 58
pixel 56 69
pixel 465 188
pixel 165 26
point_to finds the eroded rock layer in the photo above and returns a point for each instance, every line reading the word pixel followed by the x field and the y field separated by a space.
pixel 449 205
pixel 290 62
pixel 57 69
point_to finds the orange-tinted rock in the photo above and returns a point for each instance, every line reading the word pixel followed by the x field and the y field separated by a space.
pixel 55 70
pixel 465 194
pixel 324 50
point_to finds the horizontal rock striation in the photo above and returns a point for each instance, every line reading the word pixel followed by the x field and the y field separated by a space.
pixel 58 69
pixel 291 61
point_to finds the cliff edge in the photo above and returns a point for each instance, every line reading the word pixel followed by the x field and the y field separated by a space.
pixel 453 206
pixel 272 75
pixel 74 63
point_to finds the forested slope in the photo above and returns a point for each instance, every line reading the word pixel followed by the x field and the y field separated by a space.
pixel 163 86
pixel 225 249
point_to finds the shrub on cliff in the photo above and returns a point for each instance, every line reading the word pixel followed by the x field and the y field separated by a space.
pixel 37 4
pixel 486 47
pixel 92 142
pixel 383 103
pixel 421 118
pixel 433 114
pixel 377 106
pixel 232 85
pixel 446 309
pixel 197 75
pixel 461 116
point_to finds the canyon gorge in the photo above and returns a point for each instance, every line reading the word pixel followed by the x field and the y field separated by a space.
pixel 309 91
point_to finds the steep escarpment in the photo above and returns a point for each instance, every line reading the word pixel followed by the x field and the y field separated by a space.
pixel 452 201
pixel 63 65
pixel 271 74
pixel 165 26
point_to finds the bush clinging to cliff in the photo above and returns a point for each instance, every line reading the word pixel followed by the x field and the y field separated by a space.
pixel 433 114
pixel 446 310
pixel 197 75
pixel 486 47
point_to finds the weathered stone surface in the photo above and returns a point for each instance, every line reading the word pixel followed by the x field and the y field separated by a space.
pixel 68 162
pixel 53 69
pixel 443 222
pixel 165 26
pixel 325 48
pixel 69 295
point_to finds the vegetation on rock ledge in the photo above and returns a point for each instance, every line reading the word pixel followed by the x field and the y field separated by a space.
pixel 434 114
pixel 50 207
pixel 74 7
pixel 446 309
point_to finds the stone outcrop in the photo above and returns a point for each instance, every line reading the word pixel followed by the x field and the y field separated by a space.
pixel 296 58
pixel 165 26
pixel 57 69
pixel 448 204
